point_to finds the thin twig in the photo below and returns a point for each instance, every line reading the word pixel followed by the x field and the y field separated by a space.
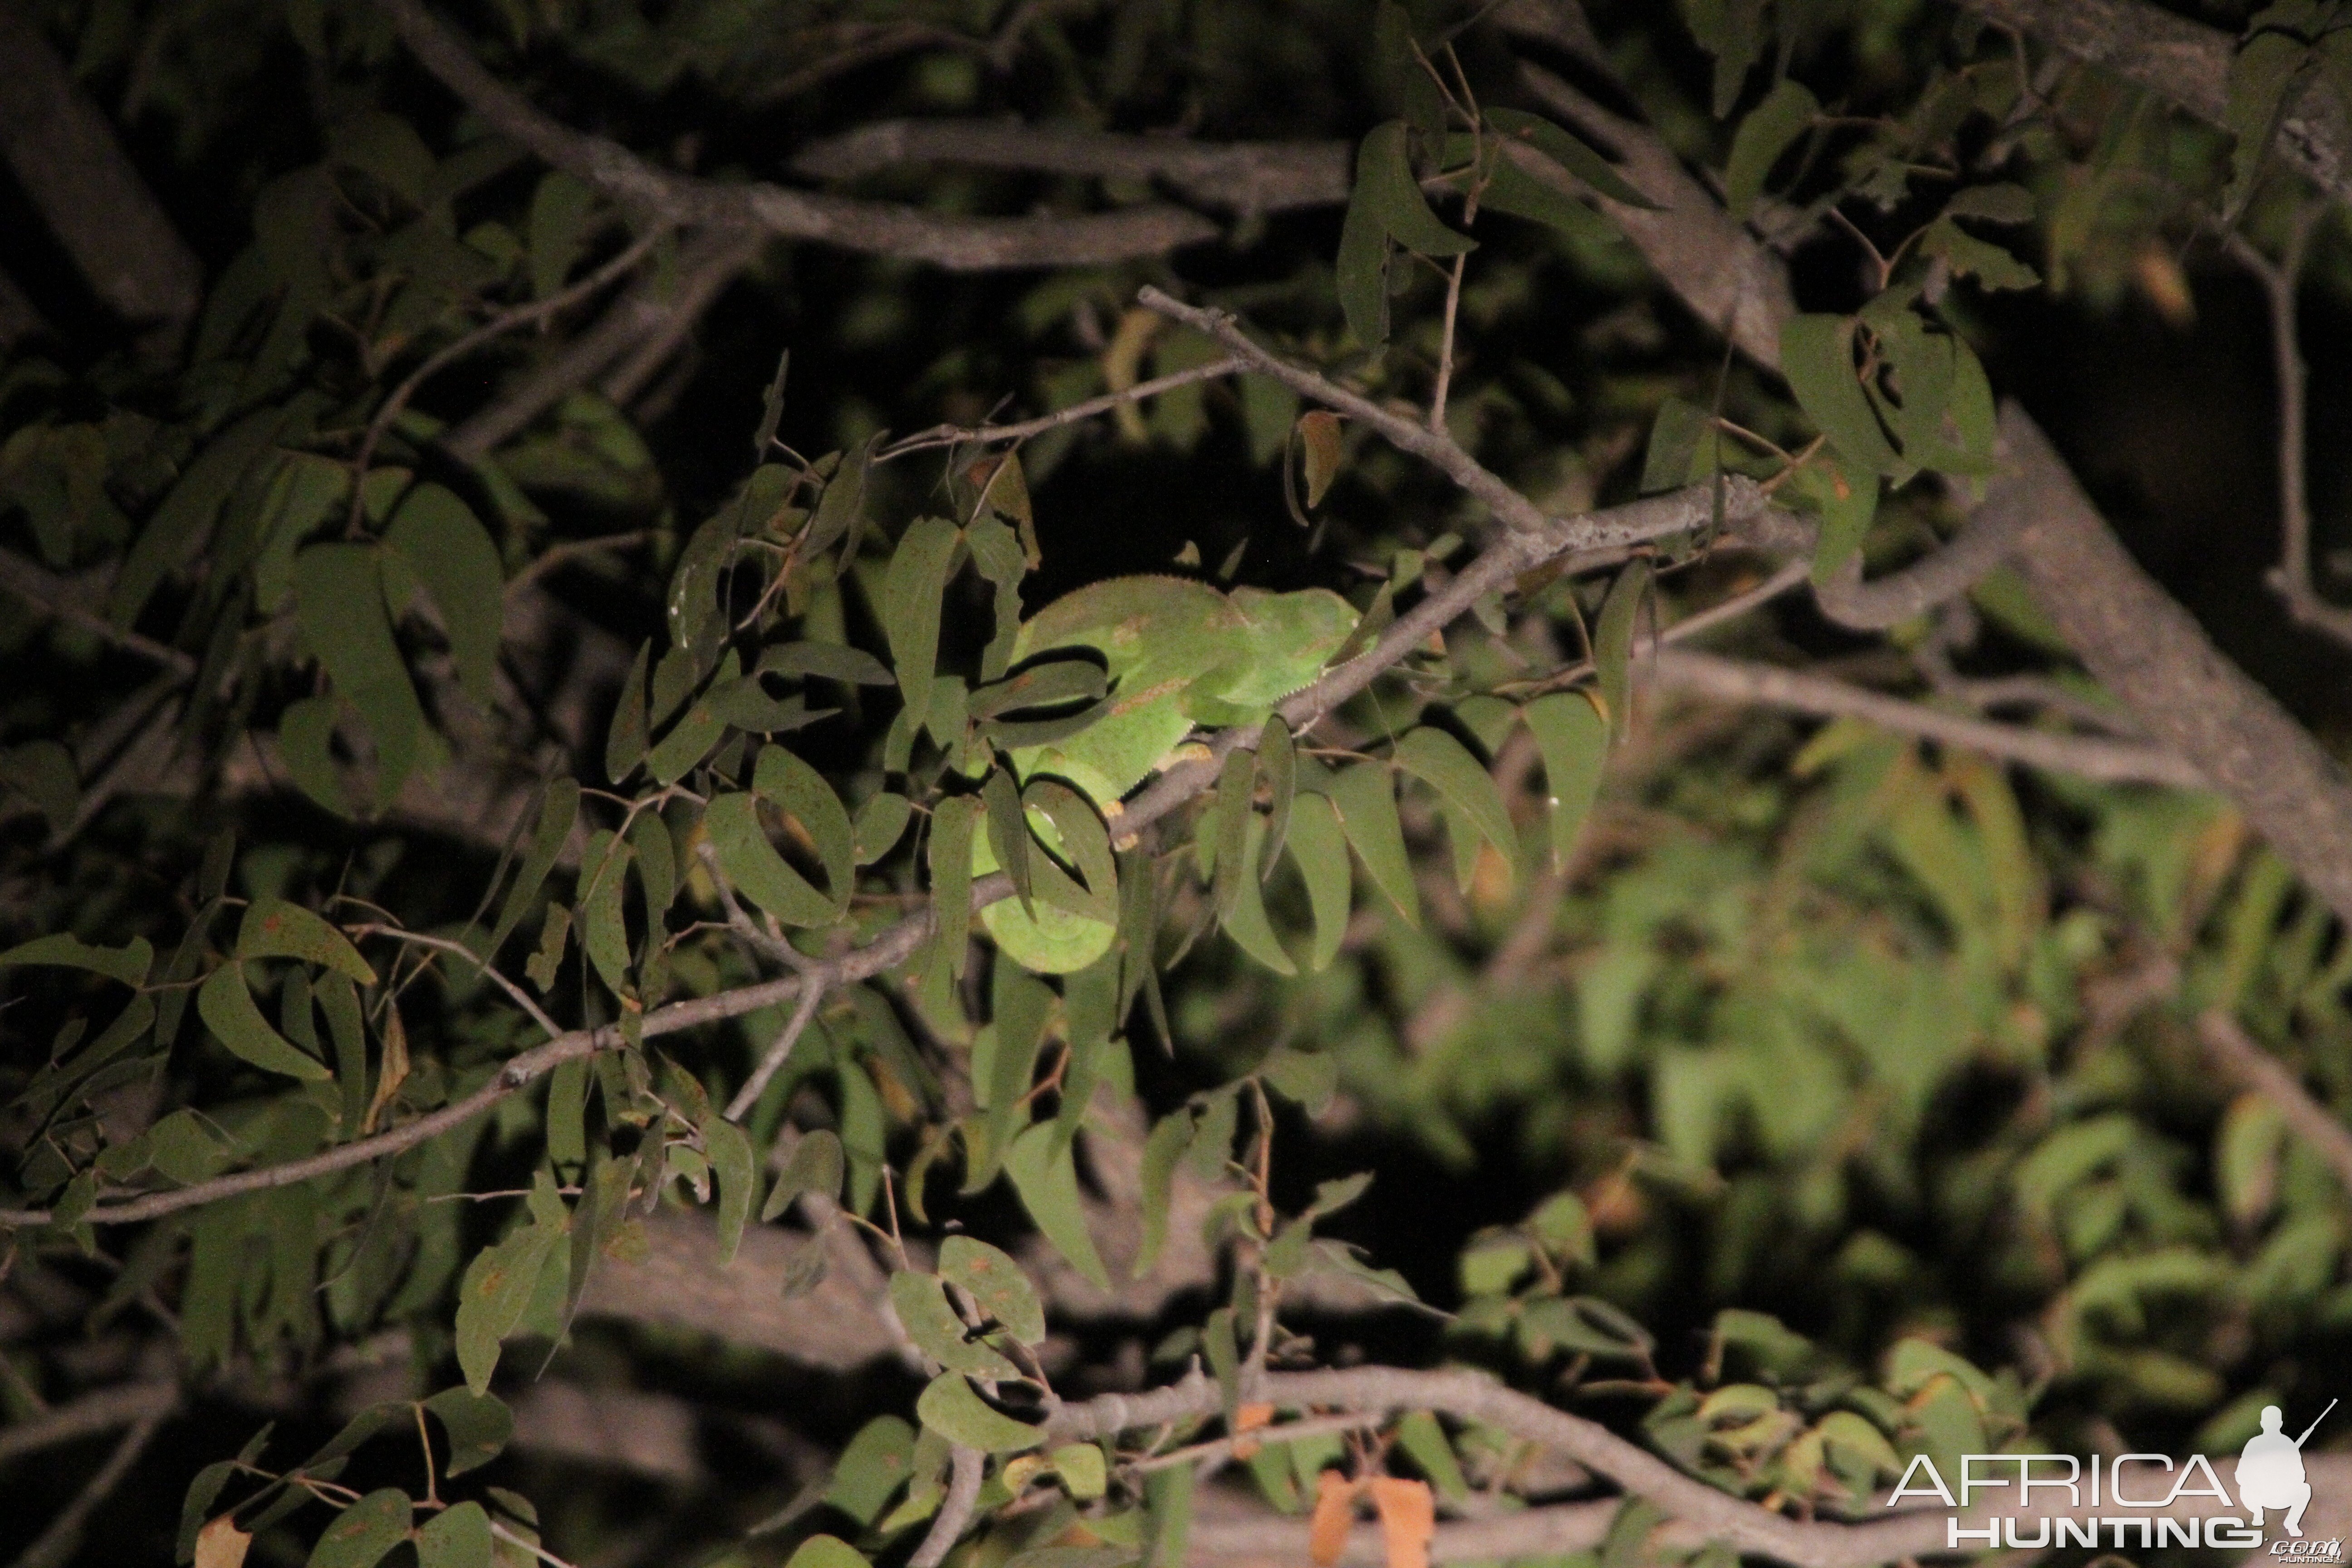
pixel 2087 756
pixel 542 1554
pixel 780 1050
pixel 1445 346
pixel 100 1412
pixel 2292 578
pixel 1534 540
pixel 997 434
pixel 58 1544
pixel 505 321
pixel 574 549
pixel 515 994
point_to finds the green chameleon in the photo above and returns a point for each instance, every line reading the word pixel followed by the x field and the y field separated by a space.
pixel 1178 654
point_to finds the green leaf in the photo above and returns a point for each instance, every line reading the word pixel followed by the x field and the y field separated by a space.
pixel 1573 739
pixel 830 661
pixel 177 530
pixel 1307 1079
pixel 445 545
pixel 273 928
pixel 952 821
pixel 1424 1443
pixel 875 1464
pixel 558 812
pixel 881 821
pixel 731 1161
pixel 1981 259
pixel 43 773
pixel 1994 204
pixel 2266 76
pixel 340 606
pixel 478 1426
pixel 1169 1137
pixel 365 1533
pixel 817 1166
pixel 1382 169
pixel 458 1537
pixel 1406 83
pixel 1083 1472
pixel 1569 154
pixel 495 1292
pixel 1008 832
pixel 1362 270
pixel 924 1312
pixel 229 1010
pixel 1218 841
pixel 1364 795
pixel 800 791
pixel 951 1408
pixel 603 877
pixel 1769 130
pixel 731 823
pixel 306 732
pixel 1467 792
pixel 129 963
pixel 997 1284
pixel 1817 357
pixel 1613 643
pixel 1848 504
pixel 1320 849
pixel 1245 921
pixel 912 594
pixel 1083 841
pixel 1046 1175
pixel 827 1552
pixel 560 210
pixel 627 741
pixel 1168 1503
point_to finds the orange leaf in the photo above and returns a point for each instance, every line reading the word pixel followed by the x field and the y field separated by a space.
pixel 221 1544
pixel 1249 1418
pixel 1318 439
pixel 1335 1516
pixel 1408 1520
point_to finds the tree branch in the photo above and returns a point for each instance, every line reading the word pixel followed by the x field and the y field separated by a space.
pixel 1704 1514
pixel 58 1543
pixel 2177 58
pixel 75 173
pixel 52 595
pixel 955 1509
pixel 2138 642
pixel 2238 1058
pixel 1657 517
pixel 1942 576
pixel 1247 178
pixel 2087 756
pixel 93 1413
pixel 958 244
pixel 1711 264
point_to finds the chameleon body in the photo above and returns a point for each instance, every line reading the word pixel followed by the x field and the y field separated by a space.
pixel 1178 654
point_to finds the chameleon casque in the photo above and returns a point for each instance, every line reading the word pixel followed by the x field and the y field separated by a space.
pixel 1176 654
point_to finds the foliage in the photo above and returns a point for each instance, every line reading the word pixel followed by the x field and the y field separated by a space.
pixel 493 837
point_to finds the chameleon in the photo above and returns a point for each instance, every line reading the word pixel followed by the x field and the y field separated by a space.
pixel 1178 654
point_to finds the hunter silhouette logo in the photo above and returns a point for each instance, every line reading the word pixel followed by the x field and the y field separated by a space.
pixel 2269 1471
